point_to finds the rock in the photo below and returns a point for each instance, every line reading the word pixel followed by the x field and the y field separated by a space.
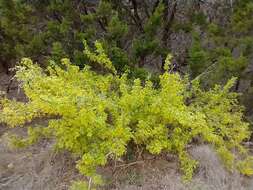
pixel 10 166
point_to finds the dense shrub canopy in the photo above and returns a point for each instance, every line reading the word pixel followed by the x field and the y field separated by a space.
pixel 96 116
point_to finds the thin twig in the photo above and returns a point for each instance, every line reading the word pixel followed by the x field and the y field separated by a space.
pixel 90 180
pixel 130 164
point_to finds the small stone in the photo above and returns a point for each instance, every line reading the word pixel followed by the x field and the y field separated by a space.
pixel 10 166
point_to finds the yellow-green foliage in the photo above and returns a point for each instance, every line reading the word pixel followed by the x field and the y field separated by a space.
pixel 95 116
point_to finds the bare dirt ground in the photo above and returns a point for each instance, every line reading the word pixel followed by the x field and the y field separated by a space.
pixel 40 168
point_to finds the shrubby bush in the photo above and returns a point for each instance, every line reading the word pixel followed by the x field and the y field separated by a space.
pixel 100 117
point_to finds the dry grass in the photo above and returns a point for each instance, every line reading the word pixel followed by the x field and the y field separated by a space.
pixel 35 168
pixel 39 168
pixel 163 175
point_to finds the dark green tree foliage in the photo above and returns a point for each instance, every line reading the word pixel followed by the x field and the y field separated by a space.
pixel 198 57
pixel 225 51
pixel 132 33
pixel 14 35
pixel 148 42
pixel 242 22
pixel 57 52
pixel 128 30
